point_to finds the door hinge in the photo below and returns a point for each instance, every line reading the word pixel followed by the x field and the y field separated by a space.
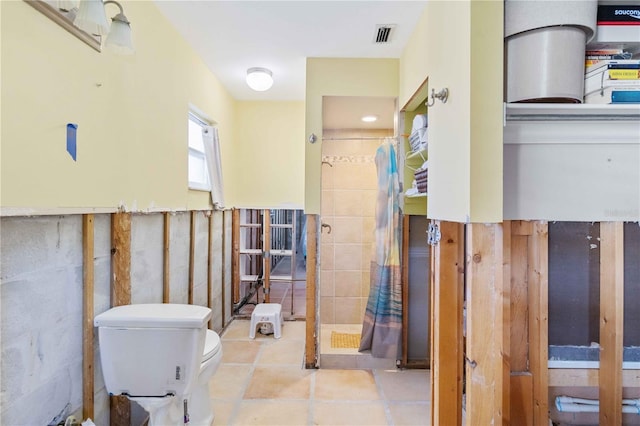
pixel 433 234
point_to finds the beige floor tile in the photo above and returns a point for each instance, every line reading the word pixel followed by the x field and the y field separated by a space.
pixel 282 352
pixel 405 385
pixel 345 385
pixel 273 413
pixel 410 414
pixel 229 381
pixel 222 411
pixel 348 414
pixel 282 382
pixel 294 330
pixel 238 329
pixel 239 352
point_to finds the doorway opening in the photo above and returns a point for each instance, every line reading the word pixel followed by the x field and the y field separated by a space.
pixel 348 204
pixel 269 253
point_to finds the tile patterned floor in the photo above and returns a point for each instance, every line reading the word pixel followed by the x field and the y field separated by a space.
pixel 264 382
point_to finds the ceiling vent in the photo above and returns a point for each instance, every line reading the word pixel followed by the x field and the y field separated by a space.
pixel 383 33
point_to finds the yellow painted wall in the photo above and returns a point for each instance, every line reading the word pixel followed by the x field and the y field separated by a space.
pixel 339 77
pixel 270 145
pixel 458 45
pixel 415 59
pixel 131 113
pixel 487 38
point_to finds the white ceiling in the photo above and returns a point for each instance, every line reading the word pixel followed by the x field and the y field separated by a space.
pixel 232 36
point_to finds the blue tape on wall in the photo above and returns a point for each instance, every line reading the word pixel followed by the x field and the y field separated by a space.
pixel 71 139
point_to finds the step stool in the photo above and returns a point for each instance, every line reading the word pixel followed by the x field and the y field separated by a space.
pixel 267 313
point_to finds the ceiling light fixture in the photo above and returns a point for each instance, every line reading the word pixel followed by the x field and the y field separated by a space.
pixel 259 79
pixel 369 118
pixel 92 18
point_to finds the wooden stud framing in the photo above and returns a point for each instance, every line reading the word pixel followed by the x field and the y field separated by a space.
pixel 611 321
pixel 235 255
pixel 223 266
pixel 310 355
pixel 447 288
pixel 538 294
pixel 192 254
pixel 87 315
pixel 266 249
pixel 120 295
pixel 405 289
pixel 521 409
pixel 484 363
pixel 121 259
pixel 588 377
pixel 506 323
pixel 166 295
pixel 519 300
pixel 209 265
pixel 516 249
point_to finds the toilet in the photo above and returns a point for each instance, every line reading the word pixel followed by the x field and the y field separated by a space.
pixel 161 355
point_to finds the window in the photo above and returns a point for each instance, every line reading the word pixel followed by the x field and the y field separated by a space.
pixel 198 169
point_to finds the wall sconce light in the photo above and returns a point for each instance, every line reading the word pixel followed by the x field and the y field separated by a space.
pixel 92 18
pixel 443 95
pixel 259 79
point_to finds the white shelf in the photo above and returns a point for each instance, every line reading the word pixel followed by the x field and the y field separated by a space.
pixel 418 155
pixel 250 251
pixel 572 112
pixel 251 278
pixel 280 252
pixel 280 278
pixel 420 195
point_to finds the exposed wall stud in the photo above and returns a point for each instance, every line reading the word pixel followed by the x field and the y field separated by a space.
pixel 447 291
pixel 611 321
pixel 484 361
pixel 266 249
pixel 210 265
pixel 538 294
pixel 166 261
pixel 192 254
pixel 87 315
pixel 120 295
pixel 506 323
pixel 235 256
pixel 311 325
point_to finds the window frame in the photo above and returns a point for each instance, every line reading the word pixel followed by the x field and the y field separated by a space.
pixel 199 155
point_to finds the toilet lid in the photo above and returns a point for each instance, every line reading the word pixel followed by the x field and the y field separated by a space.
pixel 211 345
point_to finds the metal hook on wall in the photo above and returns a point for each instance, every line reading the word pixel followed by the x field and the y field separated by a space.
pixel 443 95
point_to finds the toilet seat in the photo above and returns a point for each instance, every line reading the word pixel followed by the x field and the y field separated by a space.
pixel 211 345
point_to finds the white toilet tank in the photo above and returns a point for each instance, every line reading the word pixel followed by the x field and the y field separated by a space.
pixel 152 350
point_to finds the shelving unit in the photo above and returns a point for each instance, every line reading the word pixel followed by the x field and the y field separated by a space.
pixel 412 204
pixel 265 249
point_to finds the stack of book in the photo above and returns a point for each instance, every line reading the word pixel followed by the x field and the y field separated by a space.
pixel 593 56
pixel 421 176
pixel 612 81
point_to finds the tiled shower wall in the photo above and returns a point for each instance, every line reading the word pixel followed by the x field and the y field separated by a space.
pixel 348 207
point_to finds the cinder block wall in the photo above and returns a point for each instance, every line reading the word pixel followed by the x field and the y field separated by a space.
pixel 41 282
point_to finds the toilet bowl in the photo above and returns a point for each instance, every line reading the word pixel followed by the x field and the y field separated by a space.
pixel 200 408
pixel 161 355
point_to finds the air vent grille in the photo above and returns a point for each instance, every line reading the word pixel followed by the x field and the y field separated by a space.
pixel 383 33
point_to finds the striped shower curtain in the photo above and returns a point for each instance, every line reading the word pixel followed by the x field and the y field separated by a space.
pixel 382 325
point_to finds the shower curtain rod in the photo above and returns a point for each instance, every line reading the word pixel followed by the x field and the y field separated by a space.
pixel 367 138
